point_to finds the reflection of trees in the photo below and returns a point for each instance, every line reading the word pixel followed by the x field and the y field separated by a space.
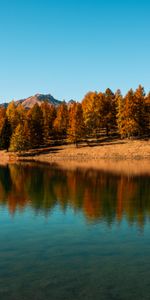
pixel 98 194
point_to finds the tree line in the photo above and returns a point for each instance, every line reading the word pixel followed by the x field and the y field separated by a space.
pixel 98 114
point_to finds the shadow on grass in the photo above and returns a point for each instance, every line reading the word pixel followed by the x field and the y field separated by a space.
pixel 104 141
pixel 89 142
pixel 39 151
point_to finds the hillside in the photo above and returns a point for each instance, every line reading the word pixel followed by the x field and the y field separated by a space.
pixel 38 98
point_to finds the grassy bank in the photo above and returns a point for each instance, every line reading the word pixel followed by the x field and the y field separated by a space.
pixel 116 153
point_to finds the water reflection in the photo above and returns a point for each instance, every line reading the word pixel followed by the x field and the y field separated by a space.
pixel 99 195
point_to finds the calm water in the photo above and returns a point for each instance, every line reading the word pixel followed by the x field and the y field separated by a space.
pixel 72 235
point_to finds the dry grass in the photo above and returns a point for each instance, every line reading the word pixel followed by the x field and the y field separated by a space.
pixel 121 155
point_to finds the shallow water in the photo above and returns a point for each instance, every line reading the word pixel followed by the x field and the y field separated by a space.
pixel 78 234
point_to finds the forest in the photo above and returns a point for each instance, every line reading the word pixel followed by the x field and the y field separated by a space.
pixel 98 114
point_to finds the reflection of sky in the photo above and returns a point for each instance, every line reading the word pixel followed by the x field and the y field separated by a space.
pixel 70 47
pixel 55 256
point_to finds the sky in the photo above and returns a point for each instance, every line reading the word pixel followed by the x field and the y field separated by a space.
pixel 69 47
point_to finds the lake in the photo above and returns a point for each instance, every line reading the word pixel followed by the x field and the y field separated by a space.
pixel 73 234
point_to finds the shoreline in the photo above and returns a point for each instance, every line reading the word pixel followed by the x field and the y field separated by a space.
pixel 127 156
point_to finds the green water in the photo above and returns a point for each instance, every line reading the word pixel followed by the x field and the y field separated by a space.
pixel 72 235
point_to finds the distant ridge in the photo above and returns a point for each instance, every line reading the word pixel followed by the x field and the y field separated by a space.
pixel 39 99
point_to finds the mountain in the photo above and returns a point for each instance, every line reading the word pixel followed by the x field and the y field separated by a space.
pixel 38 98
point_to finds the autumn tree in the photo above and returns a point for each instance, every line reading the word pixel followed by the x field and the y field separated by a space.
pixel 21 113
pixel 147 114
pixel 61 121
pixel 2 117
pixel 132 117
pixel 140 114
pixel 5 134
pixel 128 126
pixel 49 115
pixel 35 119
pixel 12 115
pixel 90 113
pixel 21 138
pixel 108 111
pixel 120 112
pixel 76 128
pixel 99 111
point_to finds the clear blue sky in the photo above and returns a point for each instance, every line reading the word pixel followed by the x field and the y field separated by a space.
pixel 69 47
